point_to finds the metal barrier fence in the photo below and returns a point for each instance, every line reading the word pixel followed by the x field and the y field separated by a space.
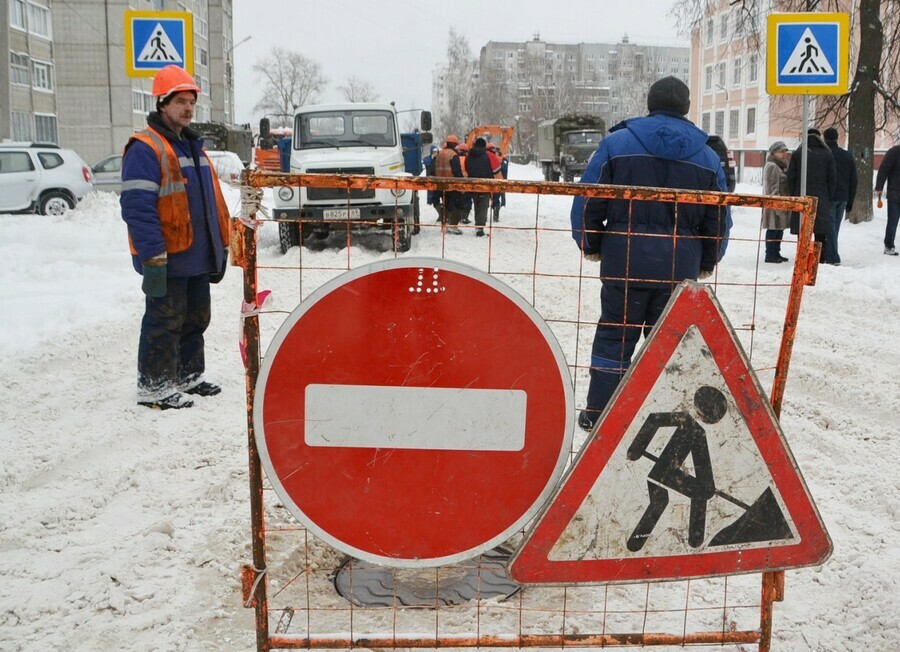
pixel 307 595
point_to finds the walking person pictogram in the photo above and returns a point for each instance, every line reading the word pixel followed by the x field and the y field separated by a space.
pixel 689 438
pixel 808 57
pixel 159 49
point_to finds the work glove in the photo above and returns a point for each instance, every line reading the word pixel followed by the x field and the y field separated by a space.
pixel 704 274
pixel 154 284
pixel 594 258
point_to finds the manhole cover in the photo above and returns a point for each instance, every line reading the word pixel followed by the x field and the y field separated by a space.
pixel 367 585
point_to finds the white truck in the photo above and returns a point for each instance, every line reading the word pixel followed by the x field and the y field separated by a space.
pixel 350 139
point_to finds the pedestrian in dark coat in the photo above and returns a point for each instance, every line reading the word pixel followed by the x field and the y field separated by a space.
pixel 889 171
pixel 448 165
pixel 844 193
pixel 820 183
pixel 481 166
pixel 645 248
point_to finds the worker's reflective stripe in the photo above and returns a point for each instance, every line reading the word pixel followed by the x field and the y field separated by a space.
pixel 139 184
pixel 161 147
pixel 171 188
pixel 186 162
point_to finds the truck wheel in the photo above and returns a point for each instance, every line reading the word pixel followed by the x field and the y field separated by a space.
pixel 56 204
pixel 554 176
pixel 288 235
pixel 402 234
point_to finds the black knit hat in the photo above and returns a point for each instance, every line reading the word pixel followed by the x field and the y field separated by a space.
pixel 831 134
pixel 669 94
pixel 480 142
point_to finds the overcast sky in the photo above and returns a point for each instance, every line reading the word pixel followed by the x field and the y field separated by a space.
pixel 396 44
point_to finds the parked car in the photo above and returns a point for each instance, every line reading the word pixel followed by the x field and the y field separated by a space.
pixel 41 178
pixel 726 157
pixel 108 174
pixel 228 165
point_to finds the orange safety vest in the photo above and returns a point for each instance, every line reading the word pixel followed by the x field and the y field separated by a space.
pixel 172 205
pixel 442 165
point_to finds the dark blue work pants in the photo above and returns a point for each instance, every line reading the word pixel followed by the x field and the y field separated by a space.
pixel 170 352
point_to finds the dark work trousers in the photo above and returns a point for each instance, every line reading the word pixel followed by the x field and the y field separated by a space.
pixel 893 217
pixel 482 204
pixel 830 251
pixel 170 352
pixel 614 343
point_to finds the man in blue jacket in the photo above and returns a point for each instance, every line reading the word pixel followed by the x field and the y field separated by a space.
pixel 178 226
pixel 645 248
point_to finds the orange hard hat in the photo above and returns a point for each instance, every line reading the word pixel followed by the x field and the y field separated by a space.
pixel 462 147
pixel 452 140
pixel 173 79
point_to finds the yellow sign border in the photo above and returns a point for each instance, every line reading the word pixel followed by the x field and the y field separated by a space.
pixel 843 56
pixel 131 14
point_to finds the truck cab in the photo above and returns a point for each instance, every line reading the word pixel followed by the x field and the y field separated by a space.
pixel 347 139
pixel 565 145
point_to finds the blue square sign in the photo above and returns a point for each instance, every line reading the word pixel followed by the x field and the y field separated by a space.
pixel 808 54
pixel 154 40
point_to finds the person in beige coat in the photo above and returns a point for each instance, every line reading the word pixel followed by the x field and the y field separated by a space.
pixel 775 182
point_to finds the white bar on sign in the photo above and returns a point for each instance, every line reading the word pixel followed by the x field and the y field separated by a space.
pixel 426 418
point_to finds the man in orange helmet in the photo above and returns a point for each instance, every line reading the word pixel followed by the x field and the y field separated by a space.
pixel 448 165
pixel 178 227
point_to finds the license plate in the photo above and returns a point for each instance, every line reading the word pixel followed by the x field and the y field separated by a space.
pixel 341 214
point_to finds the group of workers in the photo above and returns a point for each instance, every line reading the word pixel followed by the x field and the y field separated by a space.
pixel 455 160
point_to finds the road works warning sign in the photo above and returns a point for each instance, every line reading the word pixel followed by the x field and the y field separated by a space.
pixel 155 39
pixel 414 412
pixel 808 54
pixel 687 474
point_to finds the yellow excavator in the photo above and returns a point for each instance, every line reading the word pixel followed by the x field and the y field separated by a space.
pixel 490 133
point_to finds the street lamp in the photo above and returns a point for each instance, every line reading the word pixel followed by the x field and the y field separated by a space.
pixel 243 40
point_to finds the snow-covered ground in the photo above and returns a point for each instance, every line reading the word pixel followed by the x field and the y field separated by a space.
pixel 123 528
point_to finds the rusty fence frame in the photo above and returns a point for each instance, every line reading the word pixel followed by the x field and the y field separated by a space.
pixel 253 576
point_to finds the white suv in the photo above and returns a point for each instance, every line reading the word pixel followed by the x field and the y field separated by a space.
pixel 41 178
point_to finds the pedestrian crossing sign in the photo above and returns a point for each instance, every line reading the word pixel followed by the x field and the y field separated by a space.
pixel 808 54
pixel 155 39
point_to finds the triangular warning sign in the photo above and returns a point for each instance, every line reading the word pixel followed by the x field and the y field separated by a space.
pixel 807 58
pixel 687 474
pixel 159 47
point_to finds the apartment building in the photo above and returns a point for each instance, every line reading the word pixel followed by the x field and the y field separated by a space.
pixel 728 82
pixel 66 81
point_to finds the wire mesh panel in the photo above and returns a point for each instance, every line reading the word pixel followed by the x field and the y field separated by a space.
pixel 307 594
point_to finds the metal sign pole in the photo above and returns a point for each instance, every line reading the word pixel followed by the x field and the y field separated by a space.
pixel 804 144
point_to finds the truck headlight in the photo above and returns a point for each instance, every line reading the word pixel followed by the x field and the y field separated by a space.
pixel 570 158
pixel 285 193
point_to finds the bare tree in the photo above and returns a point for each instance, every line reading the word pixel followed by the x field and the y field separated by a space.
pixel 291 80
pixel 873 101
pixel 460 113
pixel 358 90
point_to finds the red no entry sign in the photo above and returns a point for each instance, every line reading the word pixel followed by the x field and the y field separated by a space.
pixel 414 412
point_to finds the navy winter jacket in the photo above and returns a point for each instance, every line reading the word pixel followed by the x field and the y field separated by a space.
pixel 206 254
pixel 661 150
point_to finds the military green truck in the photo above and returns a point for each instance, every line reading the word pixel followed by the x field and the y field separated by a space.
pixel 565 145
pixel 226 138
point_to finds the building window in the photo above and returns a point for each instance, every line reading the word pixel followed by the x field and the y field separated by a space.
pixel 137 101
pixel 754 64
pixel 39 21
pixel 710 31
pixel 736 73
pixel 21 126
pixel 42 76
pixel 723 27
pixel 709 77
pixel 18 65
pixel 45 128
pixel 720 123
pixel 734 123
pixel 723 75
pixel 751 121
pixel 17 14
pixel 202 29
pixel 704 122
